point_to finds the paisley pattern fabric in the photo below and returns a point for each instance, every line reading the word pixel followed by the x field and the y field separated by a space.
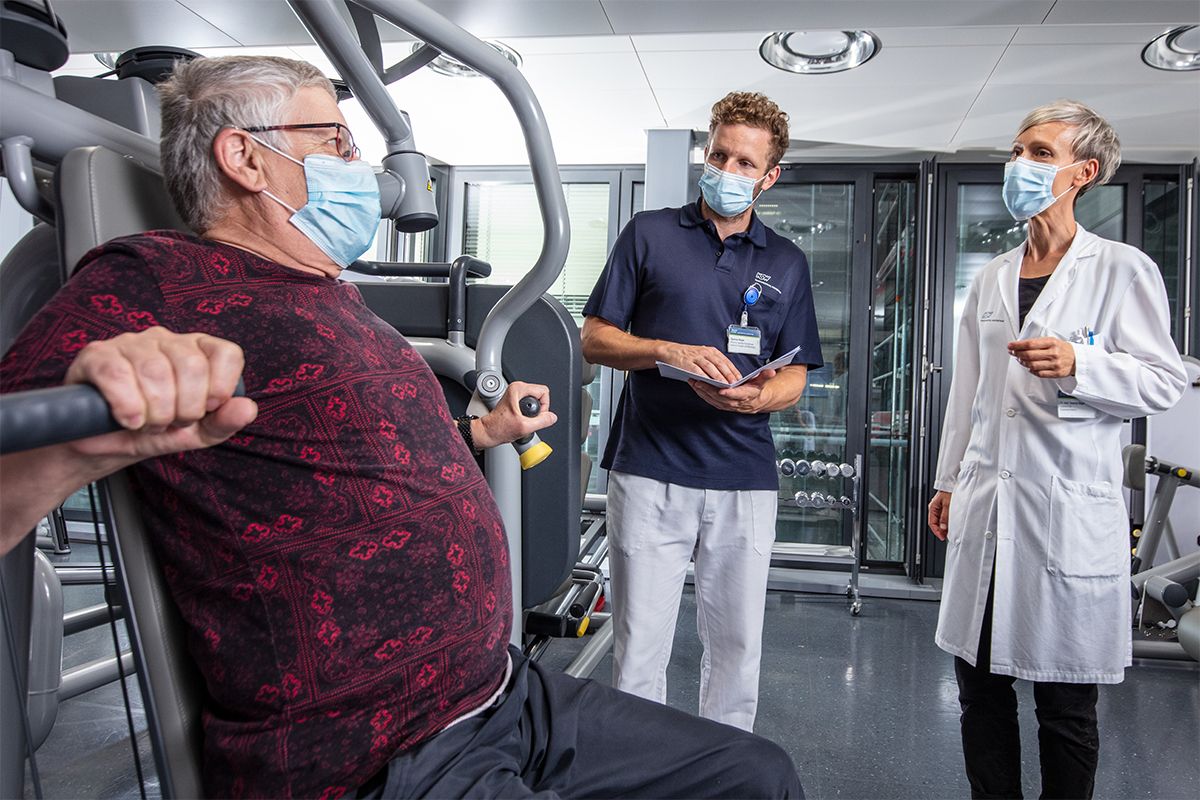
pixel 340 563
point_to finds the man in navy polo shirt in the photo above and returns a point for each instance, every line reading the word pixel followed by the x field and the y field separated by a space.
pixel 707 288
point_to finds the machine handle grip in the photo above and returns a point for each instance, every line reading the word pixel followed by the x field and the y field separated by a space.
pixel 533 450
pixel 42 417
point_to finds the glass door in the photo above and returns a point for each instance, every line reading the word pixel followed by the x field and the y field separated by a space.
pixel 857 226
pixel 893 323
pixel 819 219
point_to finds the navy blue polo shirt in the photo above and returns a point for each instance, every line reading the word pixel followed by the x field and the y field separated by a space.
pixel 671 277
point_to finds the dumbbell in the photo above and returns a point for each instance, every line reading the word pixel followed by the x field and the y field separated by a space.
pixel 845 502
pixel 786 467
pixel 818 469
pixel 847 470
pixel 818 500
pixel 803 467
pixel 802 500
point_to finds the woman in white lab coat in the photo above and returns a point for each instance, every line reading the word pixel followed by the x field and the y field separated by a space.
pixel 1060 340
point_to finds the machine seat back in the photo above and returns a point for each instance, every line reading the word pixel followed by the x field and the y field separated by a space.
pixel 100 196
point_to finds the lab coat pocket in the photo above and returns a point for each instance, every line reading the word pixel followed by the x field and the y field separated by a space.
pixel 1086 530
pixel 960 500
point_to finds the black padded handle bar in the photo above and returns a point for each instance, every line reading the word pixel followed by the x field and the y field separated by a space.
pixel 421 269
pixel 43 417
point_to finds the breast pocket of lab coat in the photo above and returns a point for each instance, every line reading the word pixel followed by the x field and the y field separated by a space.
pixel 1087 535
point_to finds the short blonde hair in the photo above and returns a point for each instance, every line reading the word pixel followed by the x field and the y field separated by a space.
pixel 758 111
pixel 1093 136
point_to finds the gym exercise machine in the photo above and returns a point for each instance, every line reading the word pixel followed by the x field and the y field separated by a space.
pixel 1166 617
pixel 106 180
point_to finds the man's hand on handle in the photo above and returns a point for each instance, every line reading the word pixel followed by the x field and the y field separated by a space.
pixel 505 423
pixel 171 392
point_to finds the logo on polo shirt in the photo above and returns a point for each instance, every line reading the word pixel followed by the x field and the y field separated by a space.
pixel 762 276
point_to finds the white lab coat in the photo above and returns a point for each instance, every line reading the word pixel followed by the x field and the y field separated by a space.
pixel 1040 494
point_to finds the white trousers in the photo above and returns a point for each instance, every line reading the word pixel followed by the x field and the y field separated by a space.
pixel 654 530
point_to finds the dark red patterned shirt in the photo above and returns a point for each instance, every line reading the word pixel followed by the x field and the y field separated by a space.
pixel 340 563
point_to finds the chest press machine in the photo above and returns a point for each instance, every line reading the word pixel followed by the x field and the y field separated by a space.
pixel 106 183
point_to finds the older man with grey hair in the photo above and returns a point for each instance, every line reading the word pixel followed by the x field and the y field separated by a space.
pixel 340 563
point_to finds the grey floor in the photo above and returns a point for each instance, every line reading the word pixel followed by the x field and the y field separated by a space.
pixel 865 706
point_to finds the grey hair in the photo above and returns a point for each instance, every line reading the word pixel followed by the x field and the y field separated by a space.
pixel 1093 137
pixel 207 94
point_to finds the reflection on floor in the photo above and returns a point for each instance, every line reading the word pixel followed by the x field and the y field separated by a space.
pixel 866 706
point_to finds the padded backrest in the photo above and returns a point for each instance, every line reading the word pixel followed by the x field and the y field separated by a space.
pixel 100 196
pixel 173 690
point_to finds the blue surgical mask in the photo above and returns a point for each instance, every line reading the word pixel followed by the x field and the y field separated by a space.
pixel 342 212
pixel 1029 187
pixel 725 193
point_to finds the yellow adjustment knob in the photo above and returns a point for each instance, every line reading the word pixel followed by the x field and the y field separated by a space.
pixel 1133 551
pixel 583 626
pixel 535 455
pixel 1137 532
pixel 1181 472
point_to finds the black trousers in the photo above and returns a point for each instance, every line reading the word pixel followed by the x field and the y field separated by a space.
pixel 1068 741
pixel 557 736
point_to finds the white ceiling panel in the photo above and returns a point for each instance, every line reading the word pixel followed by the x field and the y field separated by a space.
pixel 1148 117
pixel 252 22
pixel 1137 36
pixel 878 116
pixel 557 45
pixel 1075 12
pixel 888 37
pixel 103 25
pixel 574 78
pixel 674 16
pixel 916 67
pixel 1086 66
pixel 493 18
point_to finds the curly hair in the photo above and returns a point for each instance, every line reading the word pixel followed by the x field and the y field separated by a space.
pixel 758 111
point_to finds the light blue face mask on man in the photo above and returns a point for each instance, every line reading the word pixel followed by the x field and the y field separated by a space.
pixel 726 193
pixel 342 212
pixel 1029 187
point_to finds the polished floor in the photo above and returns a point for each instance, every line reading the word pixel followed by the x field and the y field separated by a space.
pixel 866 706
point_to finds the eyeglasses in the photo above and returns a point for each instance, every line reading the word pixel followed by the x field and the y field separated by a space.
pixel 343 140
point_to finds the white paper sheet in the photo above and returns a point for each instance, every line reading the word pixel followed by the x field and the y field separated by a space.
pixel 677 374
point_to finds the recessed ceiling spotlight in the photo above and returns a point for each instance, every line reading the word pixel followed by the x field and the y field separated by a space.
pixel 814 52
pixel 453 68
pixel 1177 50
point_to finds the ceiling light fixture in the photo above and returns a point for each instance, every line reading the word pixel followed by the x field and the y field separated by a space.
pixel 816 52
pixel 453 68
pixel 1177 50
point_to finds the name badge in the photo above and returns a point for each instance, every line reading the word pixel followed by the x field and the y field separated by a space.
pixel 1072 408
pixel 744 339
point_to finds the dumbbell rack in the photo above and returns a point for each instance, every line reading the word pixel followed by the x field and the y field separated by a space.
pixel 846 502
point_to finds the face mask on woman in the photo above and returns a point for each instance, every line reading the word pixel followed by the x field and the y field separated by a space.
pixel 1029 187
pixel 342 212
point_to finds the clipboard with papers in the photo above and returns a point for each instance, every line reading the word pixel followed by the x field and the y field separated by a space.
pixel 677 374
